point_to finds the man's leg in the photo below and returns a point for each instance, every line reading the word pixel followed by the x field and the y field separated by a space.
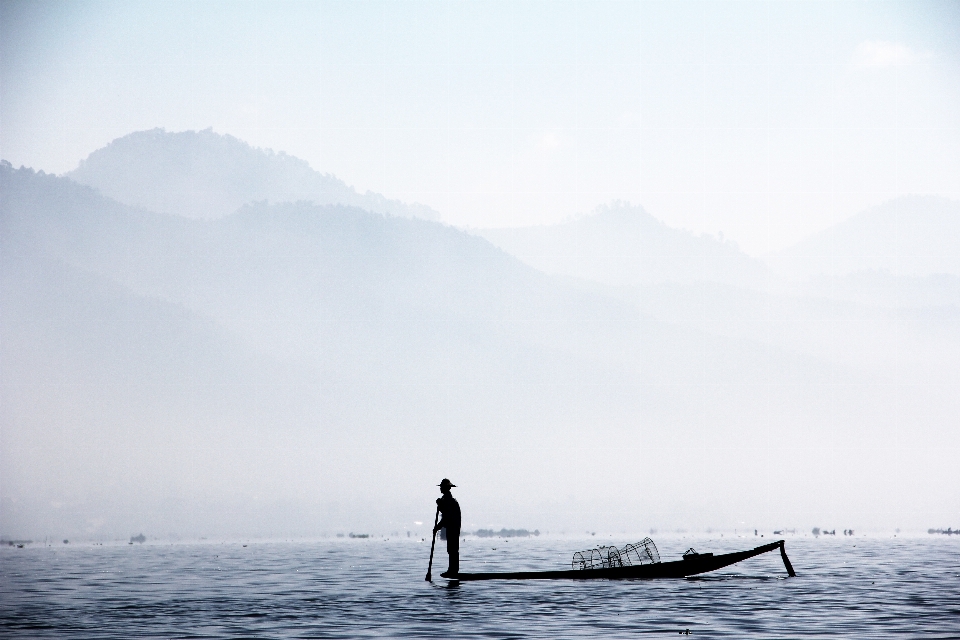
pixel 453 550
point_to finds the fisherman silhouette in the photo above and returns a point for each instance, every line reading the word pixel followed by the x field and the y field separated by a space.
pixel 450 509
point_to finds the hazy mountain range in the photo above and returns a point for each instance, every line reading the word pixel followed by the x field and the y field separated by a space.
pixel 621 244
pixel 202 174
pixel 301 367
pixel 911 236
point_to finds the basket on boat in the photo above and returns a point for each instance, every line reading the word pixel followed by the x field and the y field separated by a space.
pixel 643 552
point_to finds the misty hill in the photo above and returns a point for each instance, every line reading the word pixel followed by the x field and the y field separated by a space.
pixel 202 174
pixel 289 278
pixel 354 292
pixel 624 245
pixel 889 323
pixel 907 236
pixel 273 367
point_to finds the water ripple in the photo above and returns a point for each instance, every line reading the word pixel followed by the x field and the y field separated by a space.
pixel 359 589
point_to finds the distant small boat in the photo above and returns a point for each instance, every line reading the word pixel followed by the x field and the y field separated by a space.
pixel 692 564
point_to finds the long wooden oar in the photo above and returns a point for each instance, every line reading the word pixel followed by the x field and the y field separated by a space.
pixel 433 543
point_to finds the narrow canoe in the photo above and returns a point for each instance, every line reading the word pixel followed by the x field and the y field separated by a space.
pixel 689 566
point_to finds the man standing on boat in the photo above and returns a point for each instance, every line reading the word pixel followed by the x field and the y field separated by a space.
pixel 450 509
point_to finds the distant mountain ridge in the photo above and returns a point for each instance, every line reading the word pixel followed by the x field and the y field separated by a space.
pixel 268 370
pixel 206 175
pixel 623 245
pixel 909 236
pixel 287 349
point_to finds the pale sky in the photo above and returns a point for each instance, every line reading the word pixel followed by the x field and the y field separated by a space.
pixel 764 120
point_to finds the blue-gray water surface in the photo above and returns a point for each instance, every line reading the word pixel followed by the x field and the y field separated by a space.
pixel 845 588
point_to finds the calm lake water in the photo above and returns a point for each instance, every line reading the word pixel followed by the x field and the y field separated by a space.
pixel 846 588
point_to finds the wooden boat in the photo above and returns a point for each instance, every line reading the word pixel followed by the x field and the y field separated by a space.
pixel 691 565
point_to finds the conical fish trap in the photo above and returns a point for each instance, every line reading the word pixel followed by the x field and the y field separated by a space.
pixel 643 552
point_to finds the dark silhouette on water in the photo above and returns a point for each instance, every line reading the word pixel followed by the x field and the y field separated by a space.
pixel 693 563
pixel 450 508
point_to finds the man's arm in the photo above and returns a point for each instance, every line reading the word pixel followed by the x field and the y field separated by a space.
pixel 443 520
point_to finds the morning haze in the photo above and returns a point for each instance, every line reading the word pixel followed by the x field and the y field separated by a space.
pixel 204 337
